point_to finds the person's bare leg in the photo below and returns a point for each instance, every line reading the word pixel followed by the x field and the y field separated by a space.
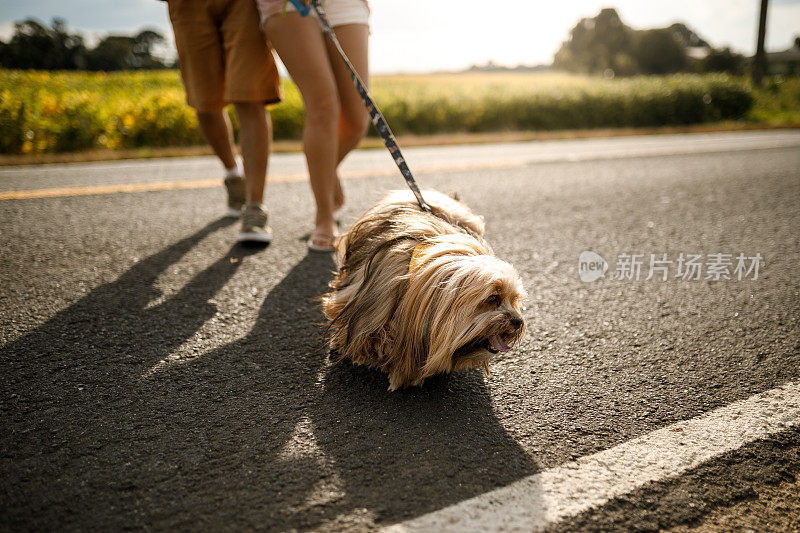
pixel 353 118
pixel 255 133
pixel 216 128
pixel 300 45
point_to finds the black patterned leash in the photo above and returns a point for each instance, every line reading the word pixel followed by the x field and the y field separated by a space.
pixel 374 113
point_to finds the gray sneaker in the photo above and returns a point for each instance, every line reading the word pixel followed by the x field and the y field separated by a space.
pixel 254 225
pixel 236 195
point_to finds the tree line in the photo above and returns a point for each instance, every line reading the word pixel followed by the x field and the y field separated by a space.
pixel 599 45
pixel 606 45
pixel 37 46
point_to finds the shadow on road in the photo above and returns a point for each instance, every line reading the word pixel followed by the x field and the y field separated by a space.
pixel 401 454
pixel 260 433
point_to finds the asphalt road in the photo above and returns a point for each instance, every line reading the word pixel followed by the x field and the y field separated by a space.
pixel 157 376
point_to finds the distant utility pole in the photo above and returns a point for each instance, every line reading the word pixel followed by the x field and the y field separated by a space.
pixel 760 61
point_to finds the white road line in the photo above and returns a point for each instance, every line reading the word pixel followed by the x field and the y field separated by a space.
pixel 545 498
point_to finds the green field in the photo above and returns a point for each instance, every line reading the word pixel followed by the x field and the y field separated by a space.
pixel 43 112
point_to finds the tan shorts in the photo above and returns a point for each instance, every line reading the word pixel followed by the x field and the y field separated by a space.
pixel 338 12
pixel 223 55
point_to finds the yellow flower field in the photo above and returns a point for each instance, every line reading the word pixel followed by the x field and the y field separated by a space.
pixel 70 111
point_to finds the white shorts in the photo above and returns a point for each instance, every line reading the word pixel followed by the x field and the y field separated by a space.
pixel 338 12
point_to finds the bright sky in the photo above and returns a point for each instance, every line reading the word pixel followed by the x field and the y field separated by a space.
pixel 431 35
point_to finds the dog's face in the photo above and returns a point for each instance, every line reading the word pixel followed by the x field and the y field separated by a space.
pixel 462 309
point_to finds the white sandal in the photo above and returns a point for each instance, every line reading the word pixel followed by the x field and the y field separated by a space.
pixel 322 248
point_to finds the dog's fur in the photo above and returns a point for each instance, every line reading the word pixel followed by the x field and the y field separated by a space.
pixel 452 306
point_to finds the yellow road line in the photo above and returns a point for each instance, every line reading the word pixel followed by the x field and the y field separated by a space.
pixel 107 189
pixel 149 186
pixel 145 186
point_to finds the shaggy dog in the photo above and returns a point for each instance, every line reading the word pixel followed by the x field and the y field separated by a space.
pixel 418 294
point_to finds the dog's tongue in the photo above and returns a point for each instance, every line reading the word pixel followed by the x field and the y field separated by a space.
pixel 498 344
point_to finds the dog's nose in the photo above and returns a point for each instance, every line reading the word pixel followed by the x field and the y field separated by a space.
pixel 516 322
